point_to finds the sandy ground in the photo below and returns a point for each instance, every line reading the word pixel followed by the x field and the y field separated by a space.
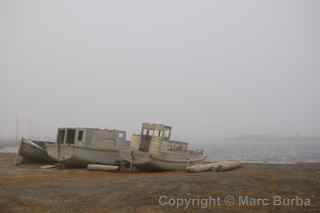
pixel 28 188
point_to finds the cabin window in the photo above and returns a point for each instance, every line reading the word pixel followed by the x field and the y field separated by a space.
pixel 156 133
pixel 166 133
pixel 61 134
pixel 80 135
pixel 121 135
pixel 145 132
pixel 71 134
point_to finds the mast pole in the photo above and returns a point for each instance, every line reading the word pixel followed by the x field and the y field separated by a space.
pixel 17 129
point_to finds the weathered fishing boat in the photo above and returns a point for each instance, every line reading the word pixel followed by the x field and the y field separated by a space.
pixel 33 151
pixel 153 150
pixel 78 147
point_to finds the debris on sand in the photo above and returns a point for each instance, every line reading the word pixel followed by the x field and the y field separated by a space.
pixel 99 167
pixel 48 166
pixel 227 166
pixel 219 166
pixel 201 167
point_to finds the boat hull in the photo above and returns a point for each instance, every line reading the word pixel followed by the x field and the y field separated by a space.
pixel 32 152
pixel 147 162
pixel 76 156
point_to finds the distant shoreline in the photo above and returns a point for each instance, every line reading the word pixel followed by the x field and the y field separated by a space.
pixel 9 149
pixel 7 143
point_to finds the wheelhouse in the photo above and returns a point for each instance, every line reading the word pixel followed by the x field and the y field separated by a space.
pixel 91 137
pixel 155 138
pixel 70 136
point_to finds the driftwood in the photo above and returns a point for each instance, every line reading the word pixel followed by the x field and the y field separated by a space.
pixel 227 165
pixel 48 166
pixel 219 166
pixel 99 167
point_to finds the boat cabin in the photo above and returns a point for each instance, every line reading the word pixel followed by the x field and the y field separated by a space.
pixel 155 138
pixel 91 137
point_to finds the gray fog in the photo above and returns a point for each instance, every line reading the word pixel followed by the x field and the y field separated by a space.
pixel 208 68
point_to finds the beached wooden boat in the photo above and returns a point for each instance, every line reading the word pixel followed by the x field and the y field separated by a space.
pixel 33 151
pixel 78 147
pixel 153 150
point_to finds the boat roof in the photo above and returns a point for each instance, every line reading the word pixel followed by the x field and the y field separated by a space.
pixel 155 126
pixel 87 128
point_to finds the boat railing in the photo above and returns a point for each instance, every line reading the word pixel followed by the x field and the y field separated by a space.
pixel 180 155
pixel 164 148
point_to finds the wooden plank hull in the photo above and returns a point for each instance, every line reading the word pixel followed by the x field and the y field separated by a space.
pixel 76 156
pixel 147 162
pixel 32 152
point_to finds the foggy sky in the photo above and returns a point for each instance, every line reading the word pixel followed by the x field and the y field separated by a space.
pixel 207 68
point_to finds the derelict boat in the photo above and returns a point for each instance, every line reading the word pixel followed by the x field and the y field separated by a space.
pixel 153 150
pixel 78 147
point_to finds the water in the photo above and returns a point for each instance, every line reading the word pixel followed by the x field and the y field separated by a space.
pixel 266 150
